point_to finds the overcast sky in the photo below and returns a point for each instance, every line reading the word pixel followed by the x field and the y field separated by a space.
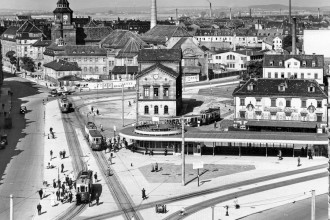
pixel 79 4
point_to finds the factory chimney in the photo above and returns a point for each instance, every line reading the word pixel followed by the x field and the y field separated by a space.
pixel 250 12
pixel 318 13
pixel 230 14
pixel 210 10
pixel 176 14
pixel 289 11
pixel 294 49
pixel 153 21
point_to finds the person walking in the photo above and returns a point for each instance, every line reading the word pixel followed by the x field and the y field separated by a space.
pixel 165 152
pixel 62 167
pixel 280 155
pixel 39 209
pixel 144 194
pixel 70 196
pixel 51 154
pixel 52 200
pixel 310 155
pixel 63 153
pixel 95 177
pixel 41 193
pixel 58 195
pixel 92 108
pixel 67 179
pixel 54 183
pixel 97 198
pixel 97 112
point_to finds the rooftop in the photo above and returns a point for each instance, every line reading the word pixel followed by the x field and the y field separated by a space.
pixel 157 55
pixel 62 65
pixel 161 67
pixel 318 59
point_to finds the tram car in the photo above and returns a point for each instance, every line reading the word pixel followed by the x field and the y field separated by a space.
pixel 89 126
pixel 65 105
pixel 189 120
pixel 96 140
pixel 210 115
pixel 84 184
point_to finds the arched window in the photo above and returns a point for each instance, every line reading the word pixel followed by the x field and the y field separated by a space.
pixel 146 110
pixel 165 110
pixel 156 110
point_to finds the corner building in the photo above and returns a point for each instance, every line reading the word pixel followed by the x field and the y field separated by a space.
pixel 159 83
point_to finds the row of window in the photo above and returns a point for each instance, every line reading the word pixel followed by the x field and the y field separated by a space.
pixel 271 63
pixel 94 70
pixel 295 75
pixel 287 103
pixel 275 116
pixel 156 110
pixel 79 59
pixel 146 92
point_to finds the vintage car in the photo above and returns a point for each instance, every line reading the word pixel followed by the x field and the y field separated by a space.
pixel 23 109
pixel 3 141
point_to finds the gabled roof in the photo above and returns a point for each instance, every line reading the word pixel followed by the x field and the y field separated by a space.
pixel 179 43
pixel 96 33
pixel 29 28
pixel 131 49
pixel 11 31
pixel 61 65
pixel 117 39
pixel 318 59
pixel 160 34
pixel 157 55
pixel 159 66
pixel 269 88
pixel 42 43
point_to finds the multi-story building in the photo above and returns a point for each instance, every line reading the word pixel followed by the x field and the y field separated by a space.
pixel 231 60
pixel 60 68
pixel 39 48
pixel 159 83
pixel 8 45
pixel 294 66
pixel 272 43
pixel 281 104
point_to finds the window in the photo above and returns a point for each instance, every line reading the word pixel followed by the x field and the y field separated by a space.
pixel 295 63
pixel 269 75
pixel 316 76
pixel 146 92
pixel 273 103
pixel 91 69
pixel 146 110
pixel 282 75
pixel 276 75
pixel 311 89
pixel 304 63
pixel 288 103
pixel 166 92
pixel 280 63
pixel 303 103
pixel 85 69
pixel 295 75
pixel 281 88
pixel 242 114
pixel 85 59
pixel 302 75
pixel 96 59
pixel 165 110
pixel 313 63
pixel 156 92
pixel 271 63
pixel 289 74
pixel 319 104
pixel 242 102
pixel 104 69
pixel 250 87
pixel 96 69
pixel 258 100
pixel 156 110
pixel 319 117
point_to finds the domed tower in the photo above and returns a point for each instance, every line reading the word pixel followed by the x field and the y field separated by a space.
pixel 62 25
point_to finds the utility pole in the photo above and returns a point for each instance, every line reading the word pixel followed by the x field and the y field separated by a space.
pixel 183 156
pixel 313 205
pixel 11 207
pixel 122 102
pixel 137 102
pixel 212 212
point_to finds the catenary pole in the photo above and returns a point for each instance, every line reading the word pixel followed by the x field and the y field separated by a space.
pixel 183 155
pixel 313 205
pixel 11 207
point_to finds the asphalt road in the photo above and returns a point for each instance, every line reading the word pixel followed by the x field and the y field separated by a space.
pixel 299 210
pixel 21 163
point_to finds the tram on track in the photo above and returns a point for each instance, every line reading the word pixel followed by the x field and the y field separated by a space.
pixel 84 184
pixel 94 137
pixel 65 105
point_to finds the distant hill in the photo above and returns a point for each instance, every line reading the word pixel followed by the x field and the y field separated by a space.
pixel 286 7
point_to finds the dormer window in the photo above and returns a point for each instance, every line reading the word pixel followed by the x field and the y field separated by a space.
pixel 281 88
pixel 92 51
pixel 83 52
pixel 271 63
pixel 311 88
pixel 280 63
pixel 313 63
pixel 251 87
pixel 304 63
pixel 74 51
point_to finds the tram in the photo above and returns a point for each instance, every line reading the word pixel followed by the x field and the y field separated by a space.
pixel 84 184
pixel 89 126
pixel 65 105
pixel 210 115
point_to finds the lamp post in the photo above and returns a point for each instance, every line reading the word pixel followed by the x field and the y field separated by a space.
pixel 183 154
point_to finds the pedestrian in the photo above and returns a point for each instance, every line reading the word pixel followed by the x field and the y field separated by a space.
pixel 39 208
pixel 92 109
pixel 63 153
pixel 151 152
pixel 299 164
pixel 237 206
pixel 165 152
pixel 50 130
pixel 97 198
pixel 215 124
pixel 156 166
pixel 40 193
pixel 70 196
pixel 67 179
pixel 62 167
pixel 101 127
pixel 54 183
pixel 58 195
pixel 97 112
pixel 75 185
pixel 280 155
pixel 52 200
pixel 310 155
pixel 144 194
pixel 51 154
pixel 182 211
pixel 90 200
pixel 95 177
pixel 302 152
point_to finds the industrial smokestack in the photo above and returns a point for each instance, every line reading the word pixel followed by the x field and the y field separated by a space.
pixel 230 14
pixel 289 11
pixel 153 21
pixel 176 14
pixel 250 12
pixel 318 13
pixel 210 10
pixel 294 49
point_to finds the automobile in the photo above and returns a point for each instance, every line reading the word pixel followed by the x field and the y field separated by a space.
pixel 3 141
pixel 53 93
pixel 23 109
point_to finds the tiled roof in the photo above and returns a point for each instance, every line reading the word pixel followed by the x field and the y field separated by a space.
pixel 179 43
pixel 75 50
pixel 160 66
pixel 122 69
pixel 10 31
pixel 62 10
pixel 270 88
pixel 152 55
pixel 42 43
pixel 160 34
pixel 61 65
pixel 26 29
pixel 131 49
pixel 270 32
pixel 319 60
pixel 96 33
pixel 117 39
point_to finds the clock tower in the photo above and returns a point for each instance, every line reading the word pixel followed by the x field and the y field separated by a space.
pixel 62 26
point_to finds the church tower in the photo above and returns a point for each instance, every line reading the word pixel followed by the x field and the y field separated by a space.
pixel 62 26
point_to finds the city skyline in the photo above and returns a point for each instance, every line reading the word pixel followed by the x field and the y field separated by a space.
pixel 84 4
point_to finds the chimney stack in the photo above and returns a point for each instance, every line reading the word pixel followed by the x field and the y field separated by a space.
pixel 176 14
pixel 153 21
pixel 210 10
pixel 294 36
pixel 318 13
pixel 290 11
pixel 250 12
pixel 230 14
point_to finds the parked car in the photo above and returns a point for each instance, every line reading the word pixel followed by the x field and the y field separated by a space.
pixel 3 141
pixel 23 109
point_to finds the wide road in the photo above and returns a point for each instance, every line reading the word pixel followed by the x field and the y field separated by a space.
pixel 21 163
pixel 299 210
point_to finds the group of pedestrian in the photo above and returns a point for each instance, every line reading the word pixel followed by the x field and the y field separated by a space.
pixel 62 154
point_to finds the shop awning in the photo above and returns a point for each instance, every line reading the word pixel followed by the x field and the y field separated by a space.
pixel 282 124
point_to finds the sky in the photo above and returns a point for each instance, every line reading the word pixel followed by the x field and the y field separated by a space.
pixel 83 4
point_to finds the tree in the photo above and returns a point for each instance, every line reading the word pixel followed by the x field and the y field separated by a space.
pixel 254 69
pixel 28 64
pixel 287 41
